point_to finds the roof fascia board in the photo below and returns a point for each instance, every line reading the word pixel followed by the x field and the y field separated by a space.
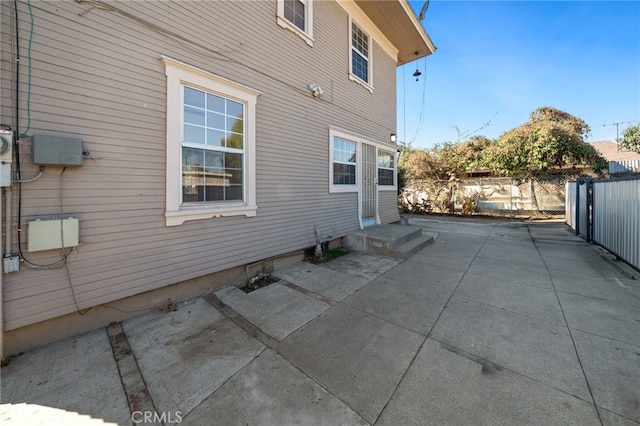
pixel 418 25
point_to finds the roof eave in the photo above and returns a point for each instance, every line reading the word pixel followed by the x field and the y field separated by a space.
pixel 399 23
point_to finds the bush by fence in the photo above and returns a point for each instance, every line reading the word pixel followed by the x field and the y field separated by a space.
pixel 486 195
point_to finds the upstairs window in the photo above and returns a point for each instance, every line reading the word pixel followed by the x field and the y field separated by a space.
pixel 360 51
pixel 294 11
pixel 297 16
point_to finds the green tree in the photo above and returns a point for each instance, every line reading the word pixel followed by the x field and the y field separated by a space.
pixel 631 138
pixel 551 138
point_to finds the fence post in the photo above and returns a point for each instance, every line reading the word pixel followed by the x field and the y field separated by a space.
pixel 577 216
pixel 533 192
pixel 593 211
pixel 589 208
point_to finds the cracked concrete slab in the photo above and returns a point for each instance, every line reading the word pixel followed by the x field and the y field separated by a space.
pixel 580 267
pixel 412 305
pixel 357 357
pixel 447 386
pixel 494 270
pixel 324 281
pixel 414 271
pixel 270 391
pixel 444 257
pixel 458 227
pixel 275 309
pixel 185 355
pixel 568 251
pixel 532 301
pixel 537 349
pixel 40 415
pixel 613 287
pixel 613 369
pixel 514 252
pixel 362 265
pixel 613 419
pixel 75 375
pixel 608 319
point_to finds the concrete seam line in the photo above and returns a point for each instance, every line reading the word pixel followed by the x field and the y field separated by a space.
pixel 241 321
pixel 133 384
pixel 573 342
pixel 324 299
pixel 434 325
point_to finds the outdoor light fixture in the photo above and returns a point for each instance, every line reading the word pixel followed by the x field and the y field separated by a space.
pixel 418 73
pixel 392 138
pixel 316 90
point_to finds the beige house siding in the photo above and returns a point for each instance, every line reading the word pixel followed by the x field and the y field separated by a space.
pixel 97 75
pixel 388 207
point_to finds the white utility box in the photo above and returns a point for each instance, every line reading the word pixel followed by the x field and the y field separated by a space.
pixel 5 174
pixel 49 234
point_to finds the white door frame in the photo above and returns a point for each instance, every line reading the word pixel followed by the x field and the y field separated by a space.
pixel 368 185
pixel 358 187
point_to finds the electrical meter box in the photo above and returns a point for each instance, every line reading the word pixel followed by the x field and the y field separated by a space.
pixel 6 155
pixel 6 142
pixel 57 151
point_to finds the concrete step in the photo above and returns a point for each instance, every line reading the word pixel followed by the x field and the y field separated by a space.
pixel 413 246
pixel 388 240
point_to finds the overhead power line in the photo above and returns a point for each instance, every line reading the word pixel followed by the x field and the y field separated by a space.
pixel 617 129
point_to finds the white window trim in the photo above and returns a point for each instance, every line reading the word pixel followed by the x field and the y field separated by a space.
pixel 351 138
pixel 354 12
pixel 359 140
pixel 306 35
pixel 366 84
pixel 179 73
pixel 393 152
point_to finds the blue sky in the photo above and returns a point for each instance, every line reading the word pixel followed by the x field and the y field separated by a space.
pixel 497 61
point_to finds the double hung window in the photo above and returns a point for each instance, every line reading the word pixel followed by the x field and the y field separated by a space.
pixel 297 16
pixel 210 145
pixel 360 51
pixel 344 162
pixel 386 169
pixel 212 148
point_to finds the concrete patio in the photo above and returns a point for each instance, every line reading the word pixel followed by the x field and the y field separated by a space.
pixel 494 322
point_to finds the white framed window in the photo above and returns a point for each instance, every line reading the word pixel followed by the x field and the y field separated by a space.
pixel 210 145
pixel 345 150
pixel 386 169
pixel 343 169
pixel 297 16
pixel 360 56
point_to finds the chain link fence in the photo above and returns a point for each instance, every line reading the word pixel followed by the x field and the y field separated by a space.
pixel 501 196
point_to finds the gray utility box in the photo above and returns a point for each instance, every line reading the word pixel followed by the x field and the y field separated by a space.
pixel 57 151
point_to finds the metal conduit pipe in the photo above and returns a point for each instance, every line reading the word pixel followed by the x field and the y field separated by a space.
pixel 1 293
pixel 7 226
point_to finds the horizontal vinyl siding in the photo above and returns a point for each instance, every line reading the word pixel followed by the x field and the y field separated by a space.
pixel 388 206
pixel 97 75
